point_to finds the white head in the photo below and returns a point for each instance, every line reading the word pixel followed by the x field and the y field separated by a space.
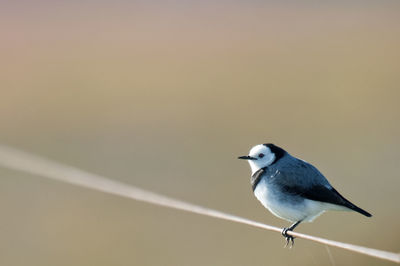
pixel 263 155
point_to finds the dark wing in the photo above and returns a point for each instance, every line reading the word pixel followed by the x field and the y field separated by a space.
pixel 301 178
pixel 324 194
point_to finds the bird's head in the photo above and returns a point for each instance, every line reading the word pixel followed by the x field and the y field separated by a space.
pixel 263 155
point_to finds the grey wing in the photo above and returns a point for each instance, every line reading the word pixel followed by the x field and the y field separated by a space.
pixel 303 179
pixel 297 172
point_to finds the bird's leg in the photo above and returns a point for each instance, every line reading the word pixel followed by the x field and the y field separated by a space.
pixel 289 237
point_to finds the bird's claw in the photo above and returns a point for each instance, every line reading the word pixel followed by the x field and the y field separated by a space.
pixel 288 238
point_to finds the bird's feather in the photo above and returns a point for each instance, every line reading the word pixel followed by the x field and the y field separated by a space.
pixel 300 178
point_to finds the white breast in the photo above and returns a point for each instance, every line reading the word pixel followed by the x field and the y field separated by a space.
pixel 286 206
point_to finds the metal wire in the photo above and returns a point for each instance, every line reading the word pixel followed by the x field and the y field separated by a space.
pixel 33 164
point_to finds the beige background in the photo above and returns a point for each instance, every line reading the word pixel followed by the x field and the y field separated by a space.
pixel 165 96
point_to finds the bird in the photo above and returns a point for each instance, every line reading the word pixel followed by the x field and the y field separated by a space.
pixel 292 189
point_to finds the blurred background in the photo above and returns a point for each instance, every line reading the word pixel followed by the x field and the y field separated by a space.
pixel 165 95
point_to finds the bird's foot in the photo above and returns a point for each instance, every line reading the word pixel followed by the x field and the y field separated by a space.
pixel 288 238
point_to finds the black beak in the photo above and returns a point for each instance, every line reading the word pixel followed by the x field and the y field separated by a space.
pixel 247 158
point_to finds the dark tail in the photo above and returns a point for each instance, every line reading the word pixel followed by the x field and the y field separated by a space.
pixel 351 206
pixel 357 209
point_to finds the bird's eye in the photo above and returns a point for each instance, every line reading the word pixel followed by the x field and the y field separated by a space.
pixel 261 155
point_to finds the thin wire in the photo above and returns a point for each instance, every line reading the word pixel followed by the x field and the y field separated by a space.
pixel 328 250
pixel 29 163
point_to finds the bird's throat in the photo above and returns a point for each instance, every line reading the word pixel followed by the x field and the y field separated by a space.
pixel 256 177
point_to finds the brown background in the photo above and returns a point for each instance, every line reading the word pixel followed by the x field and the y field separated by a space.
pixel 166 95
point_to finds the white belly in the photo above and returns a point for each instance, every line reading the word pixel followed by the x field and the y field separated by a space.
pixel 287 207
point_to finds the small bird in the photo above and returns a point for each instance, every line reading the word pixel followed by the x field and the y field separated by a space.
pixel 291 188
